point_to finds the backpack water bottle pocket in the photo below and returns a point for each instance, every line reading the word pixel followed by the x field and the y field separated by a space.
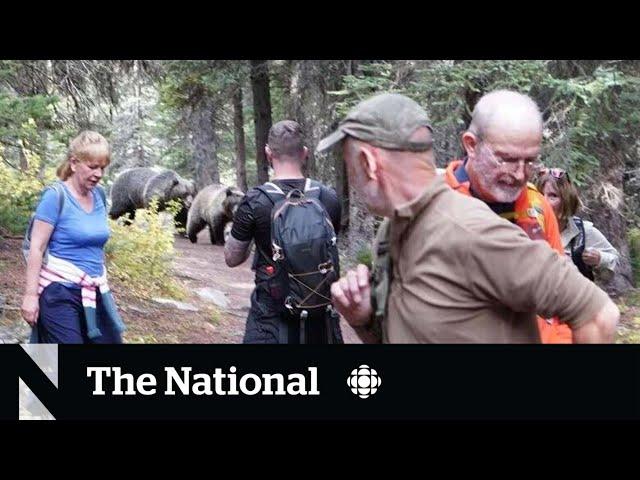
pixel 271 282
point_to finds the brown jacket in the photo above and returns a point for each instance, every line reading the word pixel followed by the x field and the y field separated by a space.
pixel 461 274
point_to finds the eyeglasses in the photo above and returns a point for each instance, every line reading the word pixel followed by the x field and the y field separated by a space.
pixel 530 165
pixel 556 173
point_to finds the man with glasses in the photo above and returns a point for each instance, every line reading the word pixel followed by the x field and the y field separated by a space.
pixel 455 272
pixel 502 146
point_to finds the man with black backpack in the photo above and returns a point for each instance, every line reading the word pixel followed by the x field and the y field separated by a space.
pixel 294 222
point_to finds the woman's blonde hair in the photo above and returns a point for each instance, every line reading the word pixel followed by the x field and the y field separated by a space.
pixel 85 147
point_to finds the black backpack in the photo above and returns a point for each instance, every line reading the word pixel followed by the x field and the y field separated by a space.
pixel 577 249
pixel 303 242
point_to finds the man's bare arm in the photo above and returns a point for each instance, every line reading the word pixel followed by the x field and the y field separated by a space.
pixel 601 329
pixel 236 252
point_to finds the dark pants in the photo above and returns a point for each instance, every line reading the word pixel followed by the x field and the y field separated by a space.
pixel 269 324
pixel 62 318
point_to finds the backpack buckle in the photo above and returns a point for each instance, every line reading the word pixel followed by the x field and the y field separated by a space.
pixel 294 195
pixel 287 304
pixel 323 268
pixel 277 252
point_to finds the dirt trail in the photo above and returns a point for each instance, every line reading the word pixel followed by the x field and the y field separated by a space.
pixel 197 266
pixel 216 315
pixel 202 265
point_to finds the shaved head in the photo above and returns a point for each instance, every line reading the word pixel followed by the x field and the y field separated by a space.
pixel 503 141
pixel 504 113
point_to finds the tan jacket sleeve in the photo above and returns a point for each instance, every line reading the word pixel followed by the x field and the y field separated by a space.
pixel 506 267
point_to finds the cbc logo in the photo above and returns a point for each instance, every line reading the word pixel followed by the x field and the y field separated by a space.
pixel 364 381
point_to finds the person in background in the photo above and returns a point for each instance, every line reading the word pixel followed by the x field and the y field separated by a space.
pixel 587 247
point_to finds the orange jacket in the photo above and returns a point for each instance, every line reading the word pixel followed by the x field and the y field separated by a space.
pixel 535 216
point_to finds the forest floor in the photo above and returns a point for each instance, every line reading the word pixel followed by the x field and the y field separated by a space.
pixel 214 310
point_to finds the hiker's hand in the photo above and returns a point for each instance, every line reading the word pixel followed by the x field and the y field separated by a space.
pixel 352 296
pixel 591 257
pixel 30 309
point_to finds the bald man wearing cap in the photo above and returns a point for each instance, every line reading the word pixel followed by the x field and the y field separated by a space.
pixel 452 275
pixel 502 146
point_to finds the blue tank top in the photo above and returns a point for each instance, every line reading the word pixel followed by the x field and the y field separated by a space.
pixel 78 237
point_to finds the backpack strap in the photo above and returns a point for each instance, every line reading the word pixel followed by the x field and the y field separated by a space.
pixel 311 185
pixel 577 243
pixel 312 188
pixel 577 249
pixel 382 271
pixel 59 188
pixel 269 190
pixel 26 242
pixel 271 187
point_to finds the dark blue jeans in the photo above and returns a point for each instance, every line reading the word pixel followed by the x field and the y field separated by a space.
pixel 62 318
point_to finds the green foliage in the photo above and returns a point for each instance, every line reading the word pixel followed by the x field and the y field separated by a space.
pixel 186 79
pixel 365 257
pixel 20 192
pixel 24 116
pixel 215 316
pixel 581 113
pixel 140 254
pixel 633 236
pixel 24 113
pixel 372 78
pixel 448 89
pixel 185 84
pixel 633 300
pixel 173 207
pixel 279 76
pixel 585 114
pixel 23 171
pixel 26 120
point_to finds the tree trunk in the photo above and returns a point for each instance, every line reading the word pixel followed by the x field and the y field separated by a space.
pixel 204 142
pixel 303 94
pixel 362 226
pixel 261 114
pixel 238 130
pixel 139 148
pixel 607 210
pixel 44 151
pixel 342 187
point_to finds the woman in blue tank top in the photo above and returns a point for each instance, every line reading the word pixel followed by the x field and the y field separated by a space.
pixel 66 297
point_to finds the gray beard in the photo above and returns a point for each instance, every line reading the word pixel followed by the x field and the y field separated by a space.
pixel 509 195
